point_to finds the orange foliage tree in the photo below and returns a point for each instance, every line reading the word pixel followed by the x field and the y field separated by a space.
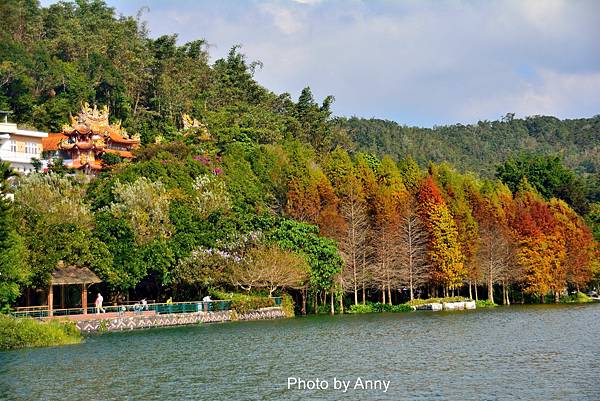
pixel 446 260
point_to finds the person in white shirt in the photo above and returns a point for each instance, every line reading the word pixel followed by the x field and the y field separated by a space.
pixel 98 303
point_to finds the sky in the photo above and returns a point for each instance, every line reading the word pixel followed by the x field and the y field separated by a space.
pixel 416 62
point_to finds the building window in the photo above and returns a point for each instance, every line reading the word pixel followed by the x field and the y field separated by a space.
pixel 31 148
pixel 13 145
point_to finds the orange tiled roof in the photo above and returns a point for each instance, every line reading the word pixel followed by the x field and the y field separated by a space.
pixel 122 153
pixel 115 137
pixel 51 142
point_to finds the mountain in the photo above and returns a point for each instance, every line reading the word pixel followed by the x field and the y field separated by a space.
pixel 480 147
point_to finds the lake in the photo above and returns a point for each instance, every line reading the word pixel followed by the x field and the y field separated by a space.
pixel 515 353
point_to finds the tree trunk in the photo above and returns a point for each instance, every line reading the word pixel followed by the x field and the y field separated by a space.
pixel 556 297
pixel 303 294
pixel 332 308
pixel 470 291
pixel 490 289
pixel 542 298
pixel 383 295
pixel 355 281
pixel 364 294
pixel 389 291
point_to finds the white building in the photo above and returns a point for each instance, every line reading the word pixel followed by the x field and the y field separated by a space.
pixel 19 146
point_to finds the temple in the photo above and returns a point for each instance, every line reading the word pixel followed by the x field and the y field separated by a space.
pixel 82 143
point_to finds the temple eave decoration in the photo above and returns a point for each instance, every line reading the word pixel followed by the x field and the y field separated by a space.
pixel 195 128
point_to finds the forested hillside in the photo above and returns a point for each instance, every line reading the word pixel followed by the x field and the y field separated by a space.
pixel 261 192
pixel 482 146
pixel 54 58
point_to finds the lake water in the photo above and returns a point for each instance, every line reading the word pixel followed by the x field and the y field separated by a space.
pixel 517 353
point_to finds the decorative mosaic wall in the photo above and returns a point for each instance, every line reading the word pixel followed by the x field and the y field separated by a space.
pixel 179 319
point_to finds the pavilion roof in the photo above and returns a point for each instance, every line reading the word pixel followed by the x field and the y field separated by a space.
pixel 64 275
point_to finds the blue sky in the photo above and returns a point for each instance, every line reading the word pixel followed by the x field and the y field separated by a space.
pixel 416 62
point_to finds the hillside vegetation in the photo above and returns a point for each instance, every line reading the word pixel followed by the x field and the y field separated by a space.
pixel 481 147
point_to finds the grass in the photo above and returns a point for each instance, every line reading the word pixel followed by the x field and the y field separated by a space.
pixel 27 332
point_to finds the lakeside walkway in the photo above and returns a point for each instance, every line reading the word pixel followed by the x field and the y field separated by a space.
pixel 136 309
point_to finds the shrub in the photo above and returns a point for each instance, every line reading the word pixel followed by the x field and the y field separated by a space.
pixel 27 332
pixel 485 304
pixel 360 308
pixel 287 304
pixel 243 303
pixel 578 298
pixel 401 308
pixel 110 159
pixel 379 307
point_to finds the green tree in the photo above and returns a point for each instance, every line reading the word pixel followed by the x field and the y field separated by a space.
pixel 145 205
pixel 14 270
pixel 547 175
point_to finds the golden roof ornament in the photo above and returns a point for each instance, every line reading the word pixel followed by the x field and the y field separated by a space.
pixel 193 126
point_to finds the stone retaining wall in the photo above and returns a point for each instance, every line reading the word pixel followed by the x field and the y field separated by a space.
pixel 175 319
pixel 459 305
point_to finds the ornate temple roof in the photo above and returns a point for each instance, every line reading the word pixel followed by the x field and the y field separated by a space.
pixel 91 121
pixel 91 132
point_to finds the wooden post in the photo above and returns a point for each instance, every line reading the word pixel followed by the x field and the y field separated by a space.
pixel 84 298
pixel 50 300
pixel 62 297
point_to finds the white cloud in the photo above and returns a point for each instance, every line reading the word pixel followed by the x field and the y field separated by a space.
pixel 308 2
pixel 284 18
pixel 564 95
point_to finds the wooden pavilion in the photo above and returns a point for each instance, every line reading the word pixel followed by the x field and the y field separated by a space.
pixel 69 275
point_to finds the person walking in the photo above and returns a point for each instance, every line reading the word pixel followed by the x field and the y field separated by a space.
pixel 98 303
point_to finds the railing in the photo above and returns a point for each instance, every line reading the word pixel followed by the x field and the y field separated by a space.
pixel 131 307
pixel 156 308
